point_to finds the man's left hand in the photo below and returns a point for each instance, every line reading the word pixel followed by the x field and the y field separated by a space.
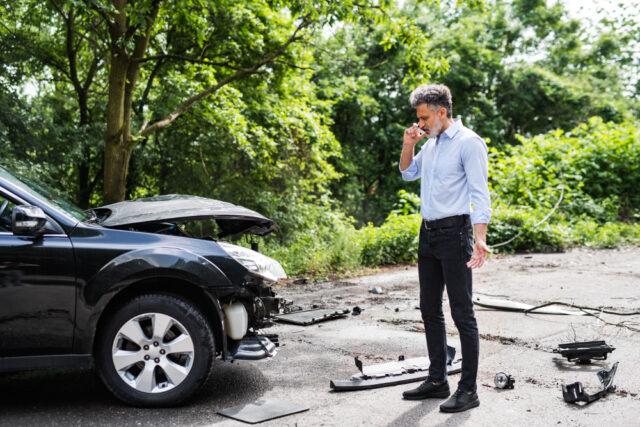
pixel 480 251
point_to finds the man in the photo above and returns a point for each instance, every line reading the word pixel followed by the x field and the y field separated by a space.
pixel 452 165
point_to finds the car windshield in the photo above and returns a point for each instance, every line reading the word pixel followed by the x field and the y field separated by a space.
pixel 49 195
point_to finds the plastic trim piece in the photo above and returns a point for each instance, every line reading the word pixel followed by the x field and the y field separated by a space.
pixel 394 373
pixel 574 393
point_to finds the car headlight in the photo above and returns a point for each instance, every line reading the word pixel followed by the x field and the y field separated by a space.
pixel 255 262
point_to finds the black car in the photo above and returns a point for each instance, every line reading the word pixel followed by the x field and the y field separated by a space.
pixel 130 288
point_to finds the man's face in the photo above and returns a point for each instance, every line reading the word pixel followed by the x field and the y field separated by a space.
pixel 430 120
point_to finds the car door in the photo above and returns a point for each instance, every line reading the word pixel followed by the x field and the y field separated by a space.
pixel 37 289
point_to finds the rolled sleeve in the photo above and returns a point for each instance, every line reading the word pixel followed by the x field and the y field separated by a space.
pixel 476 164
pixel 412 172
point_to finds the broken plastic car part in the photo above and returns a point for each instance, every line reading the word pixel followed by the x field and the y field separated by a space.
pixel 574 393
pixel 584 352
pixel 503 381
pixel 309 317
pixel 387 374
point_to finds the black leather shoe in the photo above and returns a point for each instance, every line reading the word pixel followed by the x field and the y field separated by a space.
pixel 460 401
pixel 427 390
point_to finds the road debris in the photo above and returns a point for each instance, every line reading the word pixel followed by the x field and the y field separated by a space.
pixel 507 305
pixel 376 290
pixel 503 381
pixel 583 352
pixel 574 393
pixel 309 317
pixel 393 373
pixel 263 410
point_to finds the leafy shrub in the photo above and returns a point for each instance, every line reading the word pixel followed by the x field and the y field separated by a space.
pixel 507 223
pixel 395 241
pixel 326 242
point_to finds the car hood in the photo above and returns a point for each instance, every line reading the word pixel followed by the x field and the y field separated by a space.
pixel 231 219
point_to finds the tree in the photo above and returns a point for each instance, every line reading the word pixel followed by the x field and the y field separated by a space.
pixel 119 49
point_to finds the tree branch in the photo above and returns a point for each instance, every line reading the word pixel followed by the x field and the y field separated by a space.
pixel 289 64
pixel 91 73
pixel 188 59
pixel 161 124
pixel 147 89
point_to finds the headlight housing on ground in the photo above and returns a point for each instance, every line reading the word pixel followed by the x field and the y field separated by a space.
pixel 255 262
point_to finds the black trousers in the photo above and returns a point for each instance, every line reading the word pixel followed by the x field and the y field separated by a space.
pixel 442 257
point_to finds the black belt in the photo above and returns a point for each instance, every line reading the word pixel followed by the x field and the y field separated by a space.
pixel 450 221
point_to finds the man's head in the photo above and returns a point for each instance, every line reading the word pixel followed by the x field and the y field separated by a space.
pixel 433 107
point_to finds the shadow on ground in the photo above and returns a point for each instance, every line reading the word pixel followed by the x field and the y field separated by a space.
pixel 66 397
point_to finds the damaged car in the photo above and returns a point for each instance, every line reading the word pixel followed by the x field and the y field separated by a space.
pixel 143 289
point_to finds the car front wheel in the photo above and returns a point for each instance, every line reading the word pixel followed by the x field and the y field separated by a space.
pixel 156 350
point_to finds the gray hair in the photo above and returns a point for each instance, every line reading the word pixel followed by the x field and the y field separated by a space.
pixel 436 95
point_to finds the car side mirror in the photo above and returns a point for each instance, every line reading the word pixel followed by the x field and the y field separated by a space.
pixel 28 220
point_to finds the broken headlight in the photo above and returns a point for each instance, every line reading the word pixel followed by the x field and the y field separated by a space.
pixel 255 262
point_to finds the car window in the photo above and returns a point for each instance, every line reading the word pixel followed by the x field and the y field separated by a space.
pixel 49 195
pixel 6 208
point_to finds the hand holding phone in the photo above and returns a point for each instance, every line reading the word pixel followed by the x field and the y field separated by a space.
pixel 413 134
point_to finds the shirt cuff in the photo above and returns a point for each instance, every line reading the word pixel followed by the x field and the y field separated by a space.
pixel 481 216
pixel 409 174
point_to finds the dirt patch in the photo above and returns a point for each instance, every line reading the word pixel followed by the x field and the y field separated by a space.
pixel 515 341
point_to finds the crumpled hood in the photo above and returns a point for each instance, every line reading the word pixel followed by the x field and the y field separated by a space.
pixel 231 219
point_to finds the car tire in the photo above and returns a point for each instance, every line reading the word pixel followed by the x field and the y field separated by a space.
pixel 156 350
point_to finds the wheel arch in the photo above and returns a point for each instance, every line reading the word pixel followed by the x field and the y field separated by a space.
pixel 194 294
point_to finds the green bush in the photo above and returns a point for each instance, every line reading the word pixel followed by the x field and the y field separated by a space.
pixel 326 242
pixel 507 223
pixel 597 164
pixel 395 241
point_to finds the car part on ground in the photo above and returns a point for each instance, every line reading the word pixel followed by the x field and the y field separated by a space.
pixel 503 381
pixel 507 305
pixel 256 347
pixel 387 374
pixel 309 317
pixel 584 352
pixel 574 393
pixel 263 410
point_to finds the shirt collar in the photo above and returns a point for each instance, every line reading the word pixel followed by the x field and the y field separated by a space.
pixel 453 129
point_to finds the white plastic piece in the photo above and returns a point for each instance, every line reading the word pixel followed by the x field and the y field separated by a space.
pixel 236 320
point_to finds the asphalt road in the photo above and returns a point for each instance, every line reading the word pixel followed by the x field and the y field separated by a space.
pixel 389 326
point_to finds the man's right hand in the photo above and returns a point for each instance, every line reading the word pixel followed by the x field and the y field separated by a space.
pixel 412 135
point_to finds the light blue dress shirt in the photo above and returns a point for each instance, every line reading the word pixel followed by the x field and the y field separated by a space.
pixel 454 172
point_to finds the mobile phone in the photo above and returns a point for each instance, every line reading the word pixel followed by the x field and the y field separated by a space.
pixel 420 131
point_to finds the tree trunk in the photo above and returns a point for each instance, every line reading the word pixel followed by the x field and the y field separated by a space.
pixel 116 152
pixel 116 164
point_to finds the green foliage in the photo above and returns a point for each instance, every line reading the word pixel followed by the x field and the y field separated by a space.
pixel 594 167
pixel 328 242
pixel 596 163
pixel 407 204
pixel 394 242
